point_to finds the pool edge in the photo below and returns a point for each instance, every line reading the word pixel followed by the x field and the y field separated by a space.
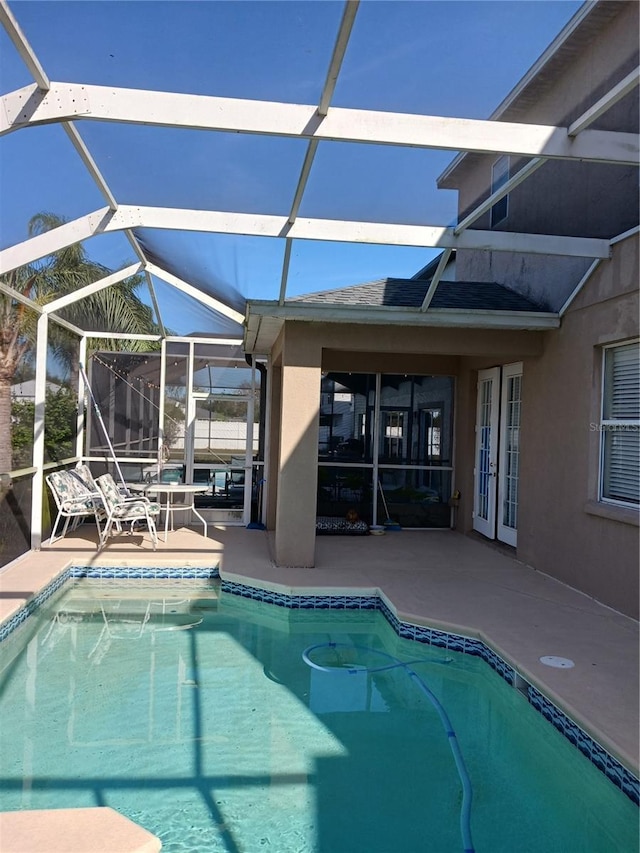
pixel 613 766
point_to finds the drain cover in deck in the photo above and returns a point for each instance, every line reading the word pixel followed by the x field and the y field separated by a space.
pixel 554 660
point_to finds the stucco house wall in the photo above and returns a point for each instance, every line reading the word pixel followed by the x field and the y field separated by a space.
pixel 588 199
pixel 563 530
pixel 302 352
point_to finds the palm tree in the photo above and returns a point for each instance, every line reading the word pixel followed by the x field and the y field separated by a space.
pixel 116 309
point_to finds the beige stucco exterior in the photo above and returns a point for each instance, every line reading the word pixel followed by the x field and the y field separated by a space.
pixel 303 351
pixel 563 528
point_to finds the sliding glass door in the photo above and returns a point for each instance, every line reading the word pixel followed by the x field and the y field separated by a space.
pixel 386 448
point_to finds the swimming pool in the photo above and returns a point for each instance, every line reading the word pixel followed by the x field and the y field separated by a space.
pixel 193 711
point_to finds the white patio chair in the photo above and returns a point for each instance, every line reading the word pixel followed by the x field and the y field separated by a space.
pixel 83 471
pixel 74 500
pixel 120 509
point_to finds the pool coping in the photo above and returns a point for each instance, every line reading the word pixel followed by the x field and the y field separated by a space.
pixel 452 638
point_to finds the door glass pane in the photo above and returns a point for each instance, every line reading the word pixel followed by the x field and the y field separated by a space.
pixel 175 413
pixel 344 489
pixel 414 498
pixel 346 417
pixel 512 452
pixel 393 434
pixel 416 420
pixel 223 389
pixel 415 429
pixel 484 449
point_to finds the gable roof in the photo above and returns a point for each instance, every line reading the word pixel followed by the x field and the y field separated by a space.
pixel 587 23
pixel 410 293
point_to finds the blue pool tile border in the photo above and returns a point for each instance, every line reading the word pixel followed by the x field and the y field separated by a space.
pixel 591 749
pixel 144 572
pixel 102 573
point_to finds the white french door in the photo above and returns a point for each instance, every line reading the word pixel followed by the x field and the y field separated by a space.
pixel 509 454
pixel 497 460
pixel 486 459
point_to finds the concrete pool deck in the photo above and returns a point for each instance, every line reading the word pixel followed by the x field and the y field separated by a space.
pixel 438 578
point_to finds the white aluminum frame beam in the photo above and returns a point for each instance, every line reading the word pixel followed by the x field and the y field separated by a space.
pixel 19 297
pixel 57 238
pixel 527 170
pixel 82 394
pixel 137 248
pixel 40 392
pixel 588 117
pixel 264 225
pixel 23 47
pixel 90 289
pixel 194 293
pixel 626 85
pixel 625 235
pixel 339 50
pixel 122 336
pixel 38 309
pixel 154 301
pixel 285 271
pixel 435 281
pixel 576 290
pixel 69 101
pixel 217 340
pixel 90 164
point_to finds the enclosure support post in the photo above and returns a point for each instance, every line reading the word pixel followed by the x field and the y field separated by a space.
pixel 37 491
pixel 248 451
pixel 161 399
pixel 82 391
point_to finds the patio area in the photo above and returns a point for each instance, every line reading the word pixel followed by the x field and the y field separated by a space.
pixel 438 578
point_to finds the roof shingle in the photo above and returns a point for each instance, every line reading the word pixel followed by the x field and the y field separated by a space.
pixel 410 293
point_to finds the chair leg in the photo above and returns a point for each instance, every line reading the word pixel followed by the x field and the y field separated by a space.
pixel 104 535
pixel 152 530
pixel 52 538
pixel 66 527
pixel 97 518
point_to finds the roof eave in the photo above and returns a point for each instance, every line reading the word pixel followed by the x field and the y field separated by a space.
pixel 403 316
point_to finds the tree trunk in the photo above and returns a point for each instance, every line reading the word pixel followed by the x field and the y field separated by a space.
pixel 5 426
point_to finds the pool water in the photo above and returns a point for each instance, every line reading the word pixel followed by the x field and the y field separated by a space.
pixel 194 713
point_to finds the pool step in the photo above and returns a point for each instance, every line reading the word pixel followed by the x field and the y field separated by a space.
pixel 92 830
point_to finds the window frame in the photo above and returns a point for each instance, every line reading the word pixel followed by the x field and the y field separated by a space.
pixel 605 423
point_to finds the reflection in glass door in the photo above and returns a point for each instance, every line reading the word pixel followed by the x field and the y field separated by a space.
pixel 509 453
pixel 484 510
pixel 393 434
pixel 225 432
pixel 386 436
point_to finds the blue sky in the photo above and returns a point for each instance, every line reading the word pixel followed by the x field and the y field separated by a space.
pixel 454 58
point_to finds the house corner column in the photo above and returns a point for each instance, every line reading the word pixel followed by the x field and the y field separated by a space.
pixel 295 527
pixel 273 452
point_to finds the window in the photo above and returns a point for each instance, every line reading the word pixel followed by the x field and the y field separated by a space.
pixel 499 177
pixel 393 433
pixel 620 425
pixel 431 430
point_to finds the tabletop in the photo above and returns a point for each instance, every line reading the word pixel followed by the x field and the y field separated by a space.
pixel 170 488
